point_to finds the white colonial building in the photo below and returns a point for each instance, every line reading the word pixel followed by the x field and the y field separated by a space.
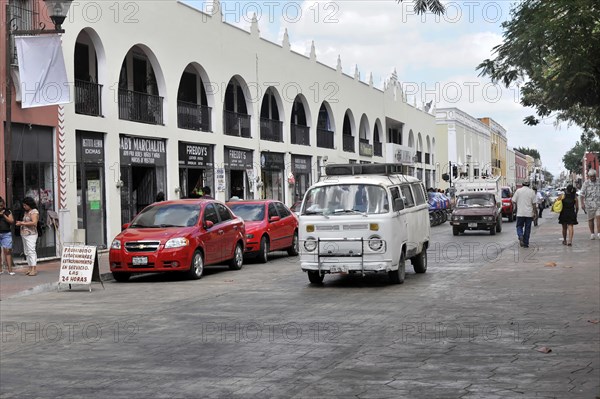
pixel 468 143
pixel 173 107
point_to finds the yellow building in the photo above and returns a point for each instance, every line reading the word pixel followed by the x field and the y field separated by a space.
pixel 499 145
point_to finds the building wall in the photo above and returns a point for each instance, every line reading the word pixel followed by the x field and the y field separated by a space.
pixel 511 170
pixel 521 168
pixel 219 51
pixel 469 140
pixel 591 161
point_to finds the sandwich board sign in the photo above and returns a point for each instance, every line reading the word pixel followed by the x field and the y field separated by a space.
pixel 79 266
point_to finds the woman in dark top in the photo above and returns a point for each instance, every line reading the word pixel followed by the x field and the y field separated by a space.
pixel 568 215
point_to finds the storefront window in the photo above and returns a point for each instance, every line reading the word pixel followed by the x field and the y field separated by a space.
pixel 273 166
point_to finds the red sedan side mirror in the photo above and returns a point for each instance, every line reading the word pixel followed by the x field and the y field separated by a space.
pixel 125 226
pixel 208 224
pixel 274 219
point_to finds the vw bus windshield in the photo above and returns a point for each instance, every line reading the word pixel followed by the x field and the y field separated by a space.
pixel 346 198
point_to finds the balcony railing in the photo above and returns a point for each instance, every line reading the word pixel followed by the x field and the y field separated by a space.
pixel 325 138
pixel 419 156
pixel 271 130
pixel 378 149
pixel 300 134
pixel 140 107
pixel 88 98
pixel 235 124
pixel 348 143
pixel 427 158
pixel 193 116
pixel 24 18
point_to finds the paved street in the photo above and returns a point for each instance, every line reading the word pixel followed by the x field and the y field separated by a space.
pixel 473 326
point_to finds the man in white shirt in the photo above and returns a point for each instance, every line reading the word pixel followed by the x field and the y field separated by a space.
pixel 526 202
pixel 590 194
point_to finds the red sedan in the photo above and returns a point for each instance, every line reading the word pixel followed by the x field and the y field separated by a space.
pixel 178 236
pixel 270 226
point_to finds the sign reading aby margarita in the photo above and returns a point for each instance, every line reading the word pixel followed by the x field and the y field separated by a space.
pixel 79 265
pixel 141 150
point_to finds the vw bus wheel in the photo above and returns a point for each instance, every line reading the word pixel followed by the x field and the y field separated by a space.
pixel 419 262
pixel 397 276
pixel 315 277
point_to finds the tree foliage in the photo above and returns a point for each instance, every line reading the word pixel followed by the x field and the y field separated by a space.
pixel 573 159
pixel 422 6
pixel 529 151
pixel 551 49
pixel 548 177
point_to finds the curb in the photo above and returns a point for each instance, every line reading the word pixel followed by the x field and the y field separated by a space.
pixel 47 287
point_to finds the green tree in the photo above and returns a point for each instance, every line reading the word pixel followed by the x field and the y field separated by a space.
pixel 548 177
pixel 529 151
pixel 422 6
pixel 551 51
pixel 573 159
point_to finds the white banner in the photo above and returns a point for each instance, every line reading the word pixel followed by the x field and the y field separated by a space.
pixel 42 72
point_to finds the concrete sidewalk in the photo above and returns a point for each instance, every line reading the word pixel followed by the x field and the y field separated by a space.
pixel 47 278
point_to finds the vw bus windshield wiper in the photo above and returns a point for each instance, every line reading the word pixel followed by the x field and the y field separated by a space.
pixel 349 211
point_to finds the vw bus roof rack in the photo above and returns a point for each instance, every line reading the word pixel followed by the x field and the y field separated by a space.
pixel 363 169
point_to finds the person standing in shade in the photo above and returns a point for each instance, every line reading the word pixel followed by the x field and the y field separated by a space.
pixel 590 194
pixel 206 192
pixel 526 202
pixel 29 233
pixel 568 215
pixel 6 241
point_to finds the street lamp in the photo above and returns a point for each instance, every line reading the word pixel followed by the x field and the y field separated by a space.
pixel 57 10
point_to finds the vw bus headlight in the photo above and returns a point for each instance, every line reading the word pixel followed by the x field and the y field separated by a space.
pixel 310 244
pixel 375 243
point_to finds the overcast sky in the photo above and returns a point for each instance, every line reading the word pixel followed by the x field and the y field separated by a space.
pixel 435 57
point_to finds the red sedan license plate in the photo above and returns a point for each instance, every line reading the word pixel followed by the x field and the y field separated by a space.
pixel 140 260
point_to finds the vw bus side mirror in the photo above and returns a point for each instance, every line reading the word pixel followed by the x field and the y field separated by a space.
pixel 398 204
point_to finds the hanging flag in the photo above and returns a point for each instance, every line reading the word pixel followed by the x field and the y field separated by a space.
pixel 42 73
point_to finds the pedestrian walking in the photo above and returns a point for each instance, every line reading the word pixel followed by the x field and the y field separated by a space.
pixel 29 233
pixel 568 215
pixel 6 241
pixel 526 203
pixel 590 195
pixel 541 202
pixel 206 193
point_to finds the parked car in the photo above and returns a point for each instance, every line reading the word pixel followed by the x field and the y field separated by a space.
pixel 270 226
pixel 476 210
pixel 508 208
pixel 178 236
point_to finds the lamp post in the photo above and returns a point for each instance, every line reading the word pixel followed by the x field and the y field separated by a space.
pixel 57 10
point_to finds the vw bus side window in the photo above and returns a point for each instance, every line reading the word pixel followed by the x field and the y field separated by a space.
pixel 346 198
pixel 398 203
pixel 409 201
pixel 419 194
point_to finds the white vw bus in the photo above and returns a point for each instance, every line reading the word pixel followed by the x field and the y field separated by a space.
pixel 364 218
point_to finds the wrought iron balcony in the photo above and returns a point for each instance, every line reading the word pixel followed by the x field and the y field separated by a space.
pixel 140 107
pixel 271 130
pixel 193 116
pixel 348 143
pixel 427 160
pixel 325 138
pixel 235 124
pixel 300 134
pixel 419 157
pixel 88 98
pixel 378 149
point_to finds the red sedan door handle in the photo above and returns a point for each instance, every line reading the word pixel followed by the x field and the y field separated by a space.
pixel 220 232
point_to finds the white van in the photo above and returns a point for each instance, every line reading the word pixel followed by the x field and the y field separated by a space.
pixel 364 218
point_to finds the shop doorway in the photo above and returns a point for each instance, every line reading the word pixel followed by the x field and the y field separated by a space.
pixel 138 191
pixel 237 184
pixel 191 179
pixel 91 207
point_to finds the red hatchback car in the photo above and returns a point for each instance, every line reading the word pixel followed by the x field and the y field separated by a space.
pixel 270 226
pixel 178 236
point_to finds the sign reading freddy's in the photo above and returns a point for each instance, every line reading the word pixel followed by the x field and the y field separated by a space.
pixel 77 264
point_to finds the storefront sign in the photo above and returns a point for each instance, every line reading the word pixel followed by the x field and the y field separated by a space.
pixel 300 164
pixel 79 266
pixel 220 176
pixel 90 147
pixel 238 159
pixel 142 151
pixel 195 155
pixel 272 161
pixel 365 149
